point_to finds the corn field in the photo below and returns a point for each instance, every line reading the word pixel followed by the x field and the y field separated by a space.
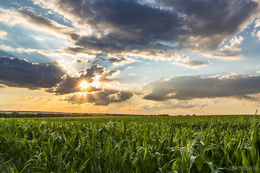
pixel 142 144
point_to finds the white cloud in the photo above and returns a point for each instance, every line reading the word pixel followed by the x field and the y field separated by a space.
pixel 207 47
pixel 175 58
pixel 233 43
pixel 257 23
pixel 22 50
pixel 258 34
pixel 27 18
pixel 2 34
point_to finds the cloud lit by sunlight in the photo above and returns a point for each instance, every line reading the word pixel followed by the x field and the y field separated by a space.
pixel 84 84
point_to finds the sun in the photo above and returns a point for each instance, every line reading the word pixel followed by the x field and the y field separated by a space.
pixel 84 85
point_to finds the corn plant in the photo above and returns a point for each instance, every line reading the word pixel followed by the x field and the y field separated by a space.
pixel 130 144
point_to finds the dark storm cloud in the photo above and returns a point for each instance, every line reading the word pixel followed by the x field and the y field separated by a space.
pixel 112 43
pixel 24 74
pixel 72 84
pixel 210 17
pixel 103 97
pixel 190 87
pixel 129 25
pixel 214 19
pixel 129 16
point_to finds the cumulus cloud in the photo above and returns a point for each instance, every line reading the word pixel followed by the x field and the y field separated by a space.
pixel 123 26
pixel 234 42
pixel 229 49
pixel 191 87
pixel 21 73
pixel 103 97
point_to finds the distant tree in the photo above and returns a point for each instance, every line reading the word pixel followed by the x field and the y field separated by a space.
pixel 163 114
pixel 14 114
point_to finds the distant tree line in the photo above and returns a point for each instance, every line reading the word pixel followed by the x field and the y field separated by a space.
pixel 39 115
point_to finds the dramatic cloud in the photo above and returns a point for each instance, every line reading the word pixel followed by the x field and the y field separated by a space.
pixel 24 74
pixel 96 76
pixel 97 93
pixel 103 97
pixel 123 26
pixel 209 22
pixel 190 87
pixel 105 51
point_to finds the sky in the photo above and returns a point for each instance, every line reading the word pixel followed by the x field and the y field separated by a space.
pixel 130 56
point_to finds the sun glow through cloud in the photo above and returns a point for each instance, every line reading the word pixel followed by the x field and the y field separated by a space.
pixel 84 84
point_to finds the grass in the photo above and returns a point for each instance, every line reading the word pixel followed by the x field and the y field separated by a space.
pixel 131 144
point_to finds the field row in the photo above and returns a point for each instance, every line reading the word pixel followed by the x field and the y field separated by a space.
pixel 131 144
